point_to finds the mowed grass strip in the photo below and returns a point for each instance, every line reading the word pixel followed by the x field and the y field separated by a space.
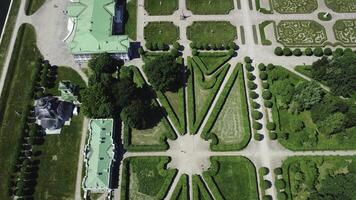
pixel 164 32
pixel 161 7
pixel 211 32
pixel 131 19
pixel 59 159
pixel 210 7
pixel 15 98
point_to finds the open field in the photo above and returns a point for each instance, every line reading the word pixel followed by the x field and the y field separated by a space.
pixel 215 32
pixel 207 7
pixel 319 176
pixel 341 6
pixel 345 31
pixel 294 7
pixel 233 177
pixel 146 178
pixel 161 7
pixel 59 159
pixel 15 98
pixel 161 32
pixel 300 33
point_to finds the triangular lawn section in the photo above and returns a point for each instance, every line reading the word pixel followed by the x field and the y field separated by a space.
pixel 202 90
pixel 200 191
pixel 211 61
pixel 153 139
pixel 181 192
pixel 228 124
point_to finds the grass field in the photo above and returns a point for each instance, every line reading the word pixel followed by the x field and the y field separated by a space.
pixel 216 32
pixel 202 89
pixel 9 28
pixel 149 136
pixel 232 126
pixel 59 159
pixel 147 178
pixel 235 178
pixel 300 33
pixel 200 191
pixel 312 170
pixel 15 98
pixel 208 7
pixel 164 32
pixel 161 7
pixel 294 7
pixel 131 17
pixel 33 6
pixel 181 192
pixel 341 6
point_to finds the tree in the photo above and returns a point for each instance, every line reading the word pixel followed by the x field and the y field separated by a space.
pixel 267 95
pixel 95 102
pixel 251 85
pixel 263 76
pixel 278 51
pixel 262 67
pixel 287 51
pixel 164 73
pixel 249 67
pixel 271 126
pixel 297 52
pixel 332 124
pixel 248 59
pixel 307 94
pixel 308 51
pixel 256 115
pixel 268 104
pixel 103 63
pixel 328 51
pixel 318 52
pixel 280 184
pixel 124 91
pixel 339 186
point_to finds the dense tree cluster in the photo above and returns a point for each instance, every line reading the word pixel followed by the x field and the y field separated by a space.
pixel 164 73
pixel 339 73
pixel 111 92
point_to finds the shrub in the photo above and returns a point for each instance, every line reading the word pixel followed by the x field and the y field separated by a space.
pixel 257 115
pixel 250 76
pixel 174 52
pixel 278 51
pixel 271 126
pixel 318 52
pixel 253 95
pixel 339 52
pixel 283 135
pixel 282 196
pixel 258 137
pixel 297 52
pixel 256 125
pixel 265 85
pixel 255 105
pixel 267 95
pixel 192 45
pixel 194 52
pixel 308 51
pixel 248 59
pixel 272 135
pixel 270 67
pixel 251 85
pixel 287 51
pixel 249 67
pixel 263 76
pixel 263 171
pixel 176 45
pixel 268 104
pixel 262 67
pixel 233 46
pixel 149 45
pixel 328 51
pixel 265 184
pixel 141 51
pixel 280 184
pixel 278 171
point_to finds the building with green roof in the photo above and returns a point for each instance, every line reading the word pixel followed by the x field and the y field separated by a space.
pixel 99 156
pixel 93 30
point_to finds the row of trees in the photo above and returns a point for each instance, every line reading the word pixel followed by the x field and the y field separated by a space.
pixel 318 51
pixel 212 46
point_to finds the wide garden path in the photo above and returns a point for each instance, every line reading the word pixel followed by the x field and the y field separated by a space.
pixel 265 153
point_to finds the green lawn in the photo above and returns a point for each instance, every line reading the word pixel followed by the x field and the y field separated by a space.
pixel 294 7
pixel 235 178
pixel 181 191
pixel 340 6
pixel 147 178
pixel 304 175
pixel 161 7
pixel 200 191
pixel 131 19
pixel 229 121
pixel 15 99
pixel 9 28
pixel 208 7
pixel 216 32
pixel 202 89
pixel 33 6
pixel 164 32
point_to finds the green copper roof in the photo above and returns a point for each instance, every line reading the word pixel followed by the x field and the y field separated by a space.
pixel 99 154
pixel 93 28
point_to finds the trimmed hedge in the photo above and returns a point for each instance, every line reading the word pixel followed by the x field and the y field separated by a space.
pixel 181 192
